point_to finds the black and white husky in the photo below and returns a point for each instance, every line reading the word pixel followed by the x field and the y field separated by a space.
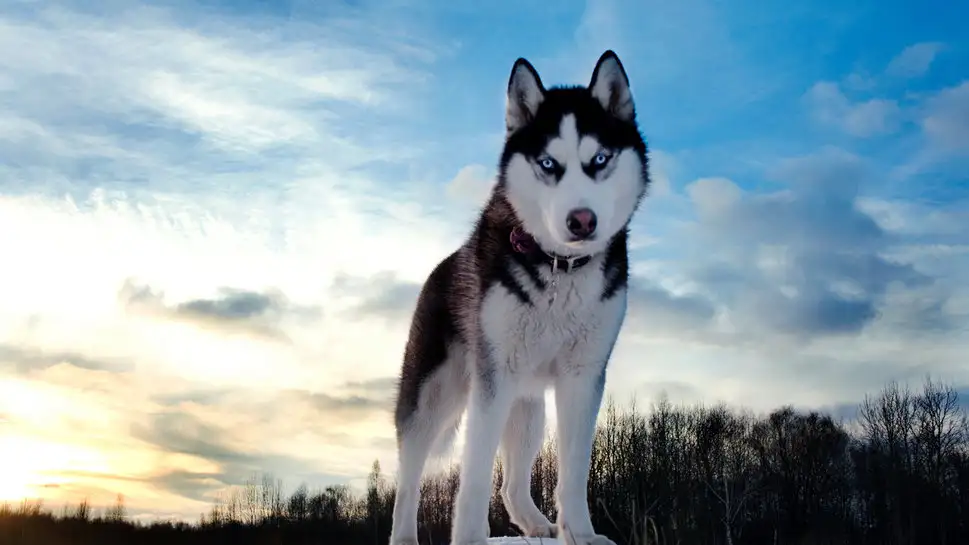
pixel 533 299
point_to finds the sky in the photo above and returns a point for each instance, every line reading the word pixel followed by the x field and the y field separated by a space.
pixel 215 217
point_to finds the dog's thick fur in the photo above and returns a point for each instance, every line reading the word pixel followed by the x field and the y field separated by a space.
pixel 498 322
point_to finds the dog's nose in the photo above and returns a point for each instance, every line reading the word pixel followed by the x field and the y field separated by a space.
pixel 581 222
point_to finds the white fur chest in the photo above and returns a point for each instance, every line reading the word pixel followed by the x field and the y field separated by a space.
pixel 528 340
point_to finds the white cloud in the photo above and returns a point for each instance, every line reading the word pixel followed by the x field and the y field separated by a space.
pixel 662 168
pixel 817 295
pixel 918 219
pixel 947 118
pixel 240 87
pixel 713 195
pixel 914 61
pixel 472 184
pixel 862 119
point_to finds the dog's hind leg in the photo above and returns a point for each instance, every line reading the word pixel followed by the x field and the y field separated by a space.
pixel 439 408
pixel 413 445
pixel 520 444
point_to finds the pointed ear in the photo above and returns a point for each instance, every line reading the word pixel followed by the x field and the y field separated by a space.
pixel 610 87
pixel 525 93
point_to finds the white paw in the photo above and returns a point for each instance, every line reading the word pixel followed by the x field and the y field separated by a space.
pixel 403 541
pixel 536 525
pixel 546 529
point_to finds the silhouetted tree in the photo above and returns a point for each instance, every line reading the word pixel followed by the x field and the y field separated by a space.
pixel 669 475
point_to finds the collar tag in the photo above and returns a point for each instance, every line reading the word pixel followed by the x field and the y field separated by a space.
pixel 567 264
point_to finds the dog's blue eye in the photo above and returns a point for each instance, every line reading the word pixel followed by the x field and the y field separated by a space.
pixel 547 164
pixel 600 159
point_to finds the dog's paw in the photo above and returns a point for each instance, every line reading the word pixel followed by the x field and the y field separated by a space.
pixel 403 541
pixel 535 526
pixel 541 530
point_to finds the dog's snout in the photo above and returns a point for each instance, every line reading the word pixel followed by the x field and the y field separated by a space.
pixel 581 222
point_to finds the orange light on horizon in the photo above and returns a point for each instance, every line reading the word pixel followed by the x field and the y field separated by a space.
pixel 29 464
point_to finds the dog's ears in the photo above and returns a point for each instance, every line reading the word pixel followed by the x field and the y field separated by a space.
pixel 610 86
pixel 525 94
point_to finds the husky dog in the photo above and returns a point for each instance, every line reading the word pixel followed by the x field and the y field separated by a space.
pixel 533 299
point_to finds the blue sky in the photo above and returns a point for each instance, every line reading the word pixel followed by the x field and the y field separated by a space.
pixel 218 215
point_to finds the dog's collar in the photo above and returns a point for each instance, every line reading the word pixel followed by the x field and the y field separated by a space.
pixel 524 243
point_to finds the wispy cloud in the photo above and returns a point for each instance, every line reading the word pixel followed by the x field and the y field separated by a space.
pixel 921 129
pixel 947 118
pixel 231 310
pixel 876 116
pixel 238 86
pixel 186 188
pixel 914 61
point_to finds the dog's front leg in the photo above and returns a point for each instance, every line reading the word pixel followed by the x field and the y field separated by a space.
pixel 489 404
pixel 578 395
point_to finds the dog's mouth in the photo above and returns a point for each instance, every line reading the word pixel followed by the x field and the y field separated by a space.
pixel 579 246
pixel 578 242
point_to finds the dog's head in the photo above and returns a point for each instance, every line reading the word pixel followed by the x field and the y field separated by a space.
pixel 574 165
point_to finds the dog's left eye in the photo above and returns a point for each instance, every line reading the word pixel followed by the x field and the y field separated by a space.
pixel 600 159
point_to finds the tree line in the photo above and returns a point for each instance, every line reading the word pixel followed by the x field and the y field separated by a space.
pixel 898 474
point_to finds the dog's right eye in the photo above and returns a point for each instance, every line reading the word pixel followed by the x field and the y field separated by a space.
pixel 547 164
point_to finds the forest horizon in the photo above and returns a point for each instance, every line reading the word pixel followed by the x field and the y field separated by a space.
pixel 899 473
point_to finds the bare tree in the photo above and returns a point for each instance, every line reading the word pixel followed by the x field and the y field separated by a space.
pixel 668 475
pixel 116 512
pixel 298 506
